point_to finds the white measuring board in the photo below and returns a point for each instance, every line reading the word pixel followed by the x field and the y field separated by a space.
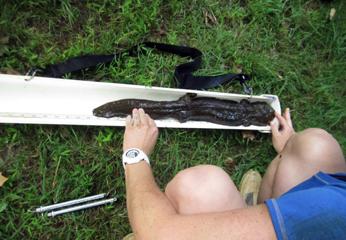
pixel 41 100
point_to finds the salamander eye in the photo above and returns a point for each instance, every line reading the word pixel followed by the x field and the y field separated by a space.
pixel 108 114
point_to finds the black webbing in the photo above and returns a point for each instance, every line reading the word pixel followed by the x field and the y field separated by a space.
pixel 183 73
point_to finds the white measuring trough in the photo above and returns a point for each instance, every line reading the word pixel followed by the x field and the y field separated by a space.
pixel 41 100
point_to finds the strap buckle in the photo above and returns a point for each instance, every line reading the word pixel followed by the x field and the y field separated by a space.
pixel 246 87
pixel 31 73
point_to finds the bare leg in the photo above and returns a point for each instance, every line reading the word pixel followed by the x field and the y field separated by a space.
pixel 305 154
pixel 203 189
pixel 266 188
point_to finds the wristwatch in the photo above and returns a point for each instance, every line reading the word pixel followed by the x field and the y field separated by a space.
pixel 134 155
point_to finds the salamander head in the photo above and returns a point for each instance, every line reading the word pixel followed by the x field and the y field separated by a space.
pixel 265 113
pixel 103 111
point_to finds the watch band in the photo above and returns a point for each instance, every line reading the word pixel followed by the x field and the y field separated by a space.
pixel 134 155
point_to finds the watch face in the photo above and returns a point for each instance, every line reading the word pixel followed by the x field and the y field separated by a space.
pixel 132 153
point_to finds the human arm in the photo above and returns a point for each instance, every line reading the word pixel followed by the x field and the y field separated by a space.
pixel 153 217
pixel 147 206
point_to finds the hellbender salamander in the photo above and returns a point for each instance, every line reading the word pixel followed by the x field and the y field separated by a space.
pixel 190 107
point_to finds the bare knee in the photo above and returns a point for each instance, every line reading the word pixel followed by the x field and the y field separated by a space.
pixel 305 154
pixel 315 146
pixel 195 180
pixel 317 134
pixel 203 188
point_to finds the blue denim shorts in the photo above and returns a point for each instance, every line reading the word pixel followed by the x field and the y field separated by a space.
pixel 314 209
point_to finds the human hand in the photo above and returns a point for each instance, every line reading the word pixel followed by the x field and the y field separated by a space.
pixel 140 132
pixel 281 130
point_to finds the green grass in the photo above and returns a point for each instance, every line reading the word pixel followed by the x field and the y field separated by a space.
pixel 289 47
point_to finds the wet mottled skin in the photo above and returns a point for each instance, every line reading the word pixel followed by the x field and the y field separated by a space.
pixel 190 107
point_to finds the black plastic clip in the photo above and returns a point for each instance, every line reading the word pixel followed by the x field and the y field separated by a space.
pixel 31 73
pixel 246 87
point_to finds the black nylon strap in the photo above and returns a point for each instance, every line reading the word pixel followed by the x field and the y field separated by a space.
pixel 183 72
